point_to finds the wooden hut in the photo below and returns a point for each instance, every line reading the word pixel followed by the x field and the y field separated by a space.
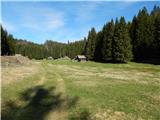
pixel 81 58
pixel 50 58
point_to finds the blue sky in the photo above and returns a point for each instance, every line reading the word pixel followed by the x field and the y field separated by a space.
pixel 63 21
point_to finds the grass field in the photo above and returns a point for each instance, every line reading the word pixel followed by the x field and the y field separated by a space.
pixel 63 89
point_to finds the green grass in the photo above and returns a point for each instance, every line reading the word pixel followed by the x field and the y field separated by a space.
pixel 132 89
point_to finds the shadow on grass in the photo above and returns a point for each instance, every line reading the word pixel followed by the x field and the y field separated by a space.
pixel 149 61
pixel 82 114
pixel 110 61
pixel 145 61
pixel 38 102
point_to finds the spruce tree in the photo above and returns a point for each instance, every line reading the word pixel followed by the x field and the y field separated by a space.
pixel 85 46
pixel 4 42
pixel 11 44
pixel 7 43
pixel 115 43
pixel 121 47
pixel 98 47
pixel 157 35
pixel 91 44
pixel 143 36
pixel 133 36
pixel 108 31
pixel 155 45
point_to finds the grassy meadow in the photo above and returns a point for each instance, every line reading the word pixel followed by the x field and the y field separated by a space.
pixel 68 90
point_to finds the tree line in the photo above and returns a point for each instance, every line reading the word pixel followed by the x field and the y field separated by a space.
pixel 7 43
pixel 117 41
pixel 11 46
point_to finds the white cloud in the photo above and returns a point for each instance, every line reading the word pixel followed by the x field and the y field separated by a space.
pixel 54 21
pixel 85 12
pixel 38 19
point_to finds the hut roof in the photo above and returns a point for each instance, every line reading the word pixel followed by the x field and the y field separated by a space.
pixel 81 56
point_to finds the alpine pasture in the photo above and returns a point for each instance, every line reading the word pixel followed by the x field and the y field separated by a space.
pixel 63 89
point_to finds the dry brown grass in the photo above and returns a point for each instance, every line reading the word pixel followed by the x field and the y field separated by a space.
pixel 80 73
pixel 57 115
pixel 12 74
pixel 107 114
pixel 16 60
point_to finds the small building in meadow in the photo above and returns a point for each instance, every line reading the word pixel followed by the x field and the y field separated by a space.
pixel 50 58
pixel 81 58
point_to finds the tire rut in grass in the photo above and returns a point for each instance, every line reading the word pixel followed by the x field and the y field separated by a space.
pixel 60 83
pixel 61 112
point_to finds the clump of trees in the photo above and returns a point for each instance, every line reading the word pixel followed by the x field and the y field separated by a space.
pixel 121 41
pixel 113 42
pixel 145 34
pixel 7 43
pixel 91 44
pixel 117 41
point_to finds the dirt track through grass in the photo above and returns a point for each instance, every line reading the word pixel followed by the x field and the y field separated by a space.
pixel 61 113
pixel 60 83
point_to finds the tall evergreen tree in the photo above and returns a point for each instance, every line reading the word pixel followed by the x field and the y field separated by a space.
pixel 121 47
pixel 7 43
pixel 132 32
pixel 115 41
pixel 157 33
pixel 4 42
pixel 91 40
pixel 143 35
pixel 11 43
pixel 108 32
pixel 98 47
pixel 85 46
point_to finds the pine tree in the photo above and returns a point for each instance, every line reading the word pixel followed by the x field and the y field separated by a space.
pixel 11 44
pixel 108 31
pixel 143 35
pixel 115 43
pixel 91 44
pixel 127 46
pixel 85 46
pixel 132 32
pixel 98 47
pixel 157 35
pixel 7 43
pixel 121 47
pixel 4 42
pixel 155 28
